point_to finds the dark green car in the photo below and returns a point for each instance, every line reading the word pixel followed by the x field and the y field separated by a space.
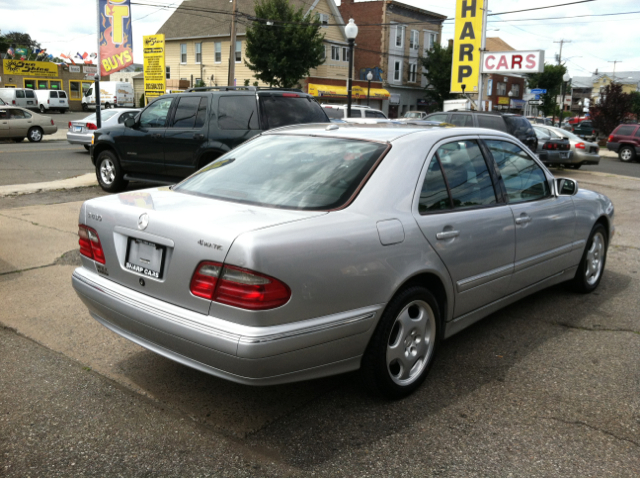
pixel 585 130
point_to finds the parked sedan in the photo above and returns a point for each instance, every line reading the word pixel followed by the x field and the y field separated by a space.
pixel 319 249
pixel 17 123
pixel 584 152
pixel 81 131
pixel 553 149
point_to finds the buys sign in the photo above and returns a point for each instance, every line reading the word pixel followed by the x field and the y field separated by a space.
pixel 513 62
pixel 116 50
pixel 155 83
pixel 466 46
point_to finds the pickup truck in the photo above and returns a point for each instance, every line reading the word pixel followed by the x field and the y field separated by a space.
pixel 585 130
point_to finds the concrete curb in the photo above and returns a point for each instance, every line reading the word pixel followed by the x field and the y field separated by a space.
pixel 81 181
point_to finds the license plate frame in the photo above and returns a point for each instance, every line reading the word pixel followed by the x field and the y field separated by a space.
pixel 564 155
pixel 145 258
pixel 77 129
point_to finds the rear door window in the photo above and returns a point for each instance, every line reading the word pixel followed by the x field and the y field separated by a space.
pixel 237 112
pixel 19 94
pixel 460 119
pixel 29 94
pixel 62 94
pixel 374 114
pixel 437 117
pixel 53 94
pixel 493 122
pixel 283 110
pixel 625 130
pixel 186 112
pixel 355 113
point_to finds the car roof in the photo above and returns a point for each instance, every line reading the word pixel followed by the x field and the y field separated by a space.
pixel 381 131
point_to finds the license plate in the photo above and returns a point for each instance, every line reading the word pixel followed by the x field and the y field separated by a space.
pixel 564 156
pixel 144 257
pixel 61 101
pixel 77 128
pixel 29 103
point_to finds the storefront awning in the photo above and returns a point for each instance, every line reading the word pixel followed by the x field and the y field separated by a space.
pixel 357 92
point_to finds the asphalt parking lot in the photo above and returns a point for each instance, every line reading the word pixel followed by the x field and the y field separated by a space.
pixel 549 386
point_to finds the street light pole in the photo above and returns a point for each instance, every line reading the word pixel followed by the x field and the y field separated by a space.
pixel 351 31
pixel 565 78
pixel 369 78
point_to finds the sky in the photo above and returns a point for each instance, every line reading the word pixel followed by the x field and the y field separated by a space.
pixel 69 26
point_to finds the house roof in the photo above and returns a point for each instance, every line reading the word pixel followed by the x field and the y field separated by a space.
pixel 496 44
pixel 416 9
pixel 212 18
pixel 620 77
pixel 581 82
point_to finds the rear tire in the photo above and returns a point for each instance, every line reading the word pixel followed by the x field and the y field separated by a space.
pixel 35 134
pixel 109 172
pixel 593 260
pixel 85 107
pixel 403 346
pixel 107 106
pixel 627 154
pixel 42 109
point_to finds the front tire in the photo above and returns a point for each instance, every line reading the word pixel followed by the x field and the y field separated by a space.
pixel 85 107
pixel 35 134
pixel 109 172
pixel 627 154
pixel 403 346
pixel 593 260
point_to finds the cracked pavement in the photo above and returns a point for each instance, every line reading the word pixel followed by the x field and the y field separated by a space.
pixel 549 386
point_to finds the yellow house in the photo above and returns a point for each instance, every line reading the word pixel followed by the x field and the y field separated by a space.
pixel 630 82
pixel 198 39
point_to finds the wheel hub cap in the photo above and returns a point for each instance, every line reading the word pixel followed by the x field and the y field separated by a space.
pixel 594 259
pixel 107 172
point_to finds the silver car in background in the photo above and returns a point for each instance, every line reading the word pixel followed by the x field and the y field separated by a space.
pixel 584 152
pixel 314 250
pixel 81 131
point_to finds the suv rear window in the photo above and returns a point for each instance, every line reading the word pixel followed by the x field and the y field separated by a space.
pixel 494 122
pixel 53 94
pixel 625 130
pixel 287 171
pixel 519 126
pixel 280 111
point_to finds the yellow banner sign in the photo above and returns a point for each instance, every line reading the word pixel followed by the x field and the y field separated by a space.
pixel 466 46
pixel 155 78
pixel 34 69
pixel 503 100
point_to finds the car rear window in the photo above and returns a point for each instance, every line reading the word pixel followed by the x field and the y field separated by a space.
pixel 53 94
pixel 625 130
pixel 104 116
pixel 62 94
pixel 283 110
pixel 519 126
pixel 493 122
pixel 286 171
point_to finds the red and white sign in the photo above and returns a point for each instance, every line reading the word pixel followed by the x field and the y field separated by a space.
pixel 513 62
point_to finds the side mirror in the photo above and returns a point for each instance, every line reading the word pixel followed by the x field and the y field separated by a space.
pixel 130 122
pixel 566 187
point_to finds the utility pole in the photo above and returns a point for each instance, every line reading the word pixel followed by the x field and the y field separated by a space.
pixel 232 47
pixel 614 68
pixel 483 41
pixel 561 42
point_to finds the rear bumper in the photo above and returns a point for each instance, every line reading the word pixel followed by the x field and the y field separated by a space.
pixel 586 158
pixel 244 354
pixel 551 157
pixel 79 138
pixel 613 146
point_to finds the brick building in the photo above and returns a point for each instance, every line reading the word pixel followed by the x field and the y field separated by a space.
pixel 504 91
pixel 391 39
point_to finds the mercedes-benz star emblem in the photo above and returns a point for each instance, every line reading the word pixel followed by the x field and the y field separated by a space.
pixel 143 221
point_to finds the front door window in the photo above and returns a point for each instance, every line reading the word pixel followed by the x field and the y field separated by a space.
pixel 155 116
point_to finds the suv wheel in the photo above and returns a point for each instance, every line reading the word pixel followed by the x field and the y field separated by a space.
pixel 627 154
pixel 109 172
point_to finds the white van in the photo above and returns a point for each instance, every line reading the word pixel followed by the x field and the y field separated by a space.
pixel 112 94
pixel 52 100
pixel 22 97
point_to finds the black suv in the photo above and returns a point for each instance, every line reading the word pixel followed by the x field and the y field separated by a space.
pixel 178 134
pixel 515 125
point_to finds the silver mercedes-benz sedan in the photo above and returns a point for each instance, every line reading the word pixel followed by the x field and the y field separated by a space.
pixel 315 250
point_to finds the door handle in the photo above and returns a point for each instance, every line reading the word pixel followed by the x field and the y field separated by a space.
pixel 443 235
pixel 524 219
pixel 198 136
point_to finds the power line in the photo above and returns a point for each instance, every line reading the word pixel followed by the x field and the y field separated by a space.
pixel 540 8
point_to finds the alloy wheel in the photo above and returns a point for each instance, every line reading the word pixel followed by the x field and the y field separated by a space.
pixel 594 259
pixel 107 171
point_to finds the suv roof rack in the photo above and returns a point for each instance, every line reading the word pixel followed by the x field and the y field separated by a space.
pixel 245 88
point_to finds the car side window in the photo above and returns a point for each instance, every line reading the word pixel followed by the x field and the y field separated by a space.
pixel 637 132
pixel 523 178
pixel 53 94
pixel 29 94
pixel 459 119
pixel 437 117
pixel 62 94
pixel 493 122
pixel 19 94
pixel 542 133
pixel 125 115
pixel 18 114
pixel 237 112
pixel 4 115
pixel 467 175
pixel 155 115
pixel 186 112
pixel 355 113
pixel 623 130
pixel 334 113
pixel 434 195
pixel 373 114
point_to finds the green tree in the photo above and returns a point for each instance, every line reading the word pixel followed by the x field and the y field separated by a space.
pixel 612 109
pixel 635 104
pixel 551 80
pixel 438 65
pixel 283 53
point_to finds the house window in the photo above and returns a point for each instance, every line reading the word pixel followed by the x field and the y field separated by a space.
pixel 74 90
pixel 399 35
pixel 238 51
pixel 218 52
pixel 345 54
pixel 183 53
pixel 501 89
pixel 54 85
pixel 515 89
pixel 198 52
pixel 335 52
pixel 324 53
pixel 324 19
pixel 168 72
pixel 397 71
pixel 414 40
pixel 413 68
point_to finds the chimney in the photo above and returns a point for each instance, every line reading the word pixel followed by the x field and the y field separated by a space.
pixel 451 42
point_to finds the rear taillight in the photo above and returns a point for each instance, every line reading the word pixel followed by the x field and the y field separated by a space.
pixel 48 102
pixel 69 124
pixel 13 102
pixel 90 245
pixel 610 138
pixel 92 126
pixel 52 123
pixel 555 146
pixel 580 146
pixel 238 287
pixel 593 132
